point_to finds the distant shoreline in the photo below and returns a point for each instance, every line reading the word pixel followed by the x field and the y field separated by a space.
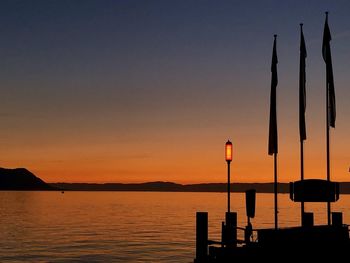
pixel 20 179
pixel 174 187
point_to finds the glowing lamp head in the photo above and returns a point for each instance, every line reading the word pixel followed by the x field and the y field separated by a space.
pixel 228 151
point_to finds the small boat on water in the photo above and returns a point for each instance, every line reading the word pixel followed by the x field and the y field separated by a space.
pixel 305 242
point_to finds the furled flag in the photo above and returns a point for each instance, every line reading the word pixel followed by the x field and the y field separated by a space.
pixel 326 53
pixel 302 92
pixel 273 141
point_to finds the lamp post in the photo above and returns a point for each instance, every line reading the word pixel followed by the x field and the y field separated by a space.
pixel 228 157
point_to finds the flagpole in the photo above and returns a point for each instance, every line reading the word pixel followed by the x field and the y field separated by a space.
pixel 327 140
pixel 302 137
pixel 275 190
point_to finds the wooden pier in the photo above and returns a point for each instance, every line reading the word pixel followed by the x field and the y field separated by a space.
pixel 307 241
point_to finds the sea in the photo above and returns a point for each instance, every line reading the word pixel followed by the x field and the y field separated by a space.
pixel 86 226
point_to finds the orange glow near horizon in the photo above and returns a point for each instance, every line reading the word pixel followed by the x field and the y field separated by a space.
pixel 100 161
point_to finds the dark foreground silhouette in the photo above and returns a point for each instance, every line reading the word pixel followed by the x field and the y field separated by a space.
pixel 307 242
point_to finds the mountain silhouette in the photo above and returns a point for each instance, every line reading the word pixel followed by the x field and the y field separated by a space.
pixel 175 187
pixel 171 187
pixel 21 179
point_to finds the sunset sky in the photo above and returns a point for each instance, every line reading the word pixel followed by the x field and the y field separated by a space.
pixel 134 91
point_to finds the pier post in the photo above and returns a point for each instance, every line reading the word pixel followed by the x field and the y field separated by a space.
pixel 337 219
pixel 231 229
pixel 307 219
pixel 201 236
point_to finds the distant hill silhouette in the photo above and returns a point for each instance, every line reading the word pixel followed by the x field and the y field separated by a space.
pixel 174 187
pixel 21 179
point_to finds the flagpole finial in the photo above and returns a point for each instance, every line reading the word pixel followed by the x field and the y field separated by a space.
pixel 326 13
pixel 301 24
pixel 275 36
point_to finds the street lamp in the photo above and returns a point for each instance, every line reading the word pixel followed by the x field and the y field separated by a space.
pixel 228 157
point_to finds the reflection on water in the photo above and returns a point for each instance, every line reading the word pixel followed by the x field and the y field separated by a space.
pixel 126 226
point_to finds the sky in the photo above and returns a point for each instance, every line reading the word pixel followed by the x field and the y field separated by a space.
pixel 135 91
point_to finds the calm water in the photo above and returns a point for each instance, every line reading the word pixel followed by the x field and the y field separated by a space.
pixel 125 226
